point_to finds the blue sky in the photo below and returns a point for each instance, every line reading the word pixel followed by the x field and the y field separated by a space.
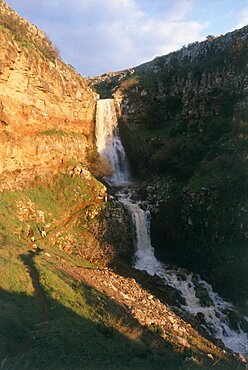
pixel 98 36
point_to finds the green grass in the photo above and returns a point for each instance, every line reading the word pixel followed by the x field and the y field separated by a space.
pixel 85 329
pixel 48 319
pixel 50 206
pixel 78 135
pixel 54 132
pixel 76 335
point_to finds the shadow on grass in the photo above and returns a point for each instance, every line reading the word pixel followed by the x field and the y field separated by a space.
pixel 70 325
pixel 67 340
pixel 90 332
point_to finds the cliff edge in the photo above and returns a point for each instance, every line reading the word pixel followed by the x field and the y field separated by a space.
pixel 47 110
pixel 183 122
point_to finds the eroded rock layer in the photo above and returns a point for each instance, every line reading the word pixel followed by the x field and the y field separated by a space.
pixel 46 109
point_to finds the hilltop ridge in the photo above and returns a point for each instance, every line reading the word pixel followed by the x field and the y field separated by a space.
pixel 69 297
pixel 109 82
pixel 183 122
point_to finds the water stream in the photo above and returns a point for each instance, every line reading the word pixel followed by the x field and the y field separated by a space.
pixel 108 142
pixel 215 311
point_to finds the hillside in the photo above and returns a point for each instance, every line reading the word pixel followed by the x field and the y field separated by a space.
pixel 58 310
pixel 69 297
pixel 46 111
pixel 183 122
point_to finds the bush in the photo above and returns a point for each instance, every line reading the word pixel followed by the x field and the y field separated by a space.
pixel 179 157
pixel 99 166
pixel 129 84
pixel 174 104
pixel 154 117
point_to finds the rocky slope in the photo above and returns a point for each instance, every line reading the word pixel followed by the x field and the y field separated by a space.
pixel 46 109
pixel 183 121
pixel 61 305
pixel 58 310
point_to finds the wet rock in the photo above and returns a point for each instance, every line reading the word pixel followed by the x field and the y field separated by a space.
pixel 173 296
pixel 200 316
pixel 195 279
pixel 158 281
pixel 182 277
pixel 201 293
pixel 206 301
pixel 237 322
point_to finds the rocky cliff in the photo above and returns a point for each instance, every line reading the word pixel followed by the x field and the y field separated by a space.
pixel 183 120
pixel 46 109
pixel 60 302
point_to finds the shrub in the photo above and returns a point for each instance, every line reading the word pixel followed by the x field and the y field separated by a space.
pixel 129 84
pixel 179 157
pixel 154 118
pixel 99 166
pixel 174 104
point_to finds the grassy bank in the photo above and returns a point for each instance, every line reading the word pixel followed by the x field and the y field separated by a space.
pixel 49 319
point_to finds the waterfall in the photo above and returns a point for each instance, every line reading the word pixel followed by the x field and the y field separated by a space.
pixel 215 311
pixel 108 141
pixel 141 222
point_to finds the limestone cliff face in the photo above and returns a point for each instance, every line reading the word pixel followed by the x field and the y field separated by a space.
pixel 184 121
pixel 46 109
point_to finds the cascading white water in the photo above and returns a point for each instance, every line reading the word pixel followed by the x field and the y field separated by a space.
pixel 215 312
pixel 108 141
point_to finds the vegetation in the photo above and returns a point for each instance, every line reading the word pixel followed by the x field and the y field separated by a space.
pixel 20 30
pixel 187 125
pixel 48 318
pixel 215 160
pixel 54 132
pixel 129 84
pixel 99 166
pixel 212 171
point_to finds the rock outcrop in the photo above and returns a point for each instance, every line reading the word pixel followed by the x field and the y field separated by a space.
pixel 183 122
pixel 46 109
pixel 48 295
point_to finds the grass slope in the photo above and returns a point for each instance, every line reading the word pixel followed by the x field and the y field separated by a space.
pixel 49 320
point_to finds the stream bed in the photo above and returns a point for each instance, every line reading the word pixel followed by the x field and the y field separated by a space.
pixel 198 297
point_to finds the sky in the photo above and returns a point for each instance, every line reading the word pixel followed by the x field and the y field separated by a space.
pixel 97 36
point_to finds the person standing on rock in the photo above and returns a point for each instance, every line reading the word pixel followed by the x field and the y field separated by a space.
pixel 31 235
pixel 43 232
